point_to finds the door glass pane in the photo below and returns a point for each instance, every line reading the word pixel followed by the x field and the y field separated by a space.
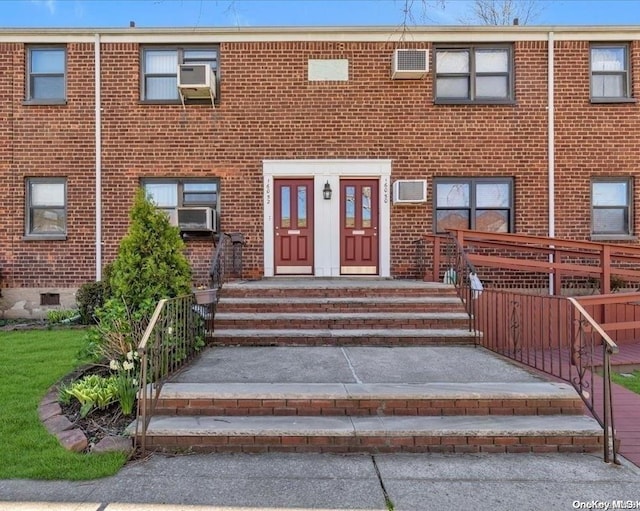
pixel 452 195
pixel 492 61
pixel 302 206
pixel 491 87
pixel 350 206
pixel 452 219
pixel 452 61
pixel 285 207
pixel 366 206
pixel 492 195
pixel 457 87
pixel 610 194
pixel 492 221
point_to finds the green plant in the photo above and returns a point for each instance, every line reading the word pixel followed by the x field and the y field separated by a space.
pixel 126 381
pixel 151 263
pixel 58 316
pixel 93 391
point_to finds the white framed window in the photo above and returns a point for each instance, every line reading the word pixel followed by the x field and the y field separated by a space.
pixel 483 204
pixel 159 81
pixel 46 74
pixel 474 74
pixel 46 211
pixel 611 207
pixel 610 76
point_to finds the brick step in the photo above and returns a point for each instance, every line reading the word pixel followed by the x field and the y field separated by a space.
pixel 341 337
pixel 307 288
pixel 340 320
pixel 493 434
pixel 358 399
pixel 342 304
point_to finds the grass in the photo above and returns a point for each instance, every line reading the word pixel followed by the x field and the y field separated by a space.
pixel 30 363
pixel 630 382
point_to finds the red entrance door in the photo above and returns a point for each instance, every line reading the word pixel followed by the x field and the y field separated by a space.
pixel 359 227
pixel 293 213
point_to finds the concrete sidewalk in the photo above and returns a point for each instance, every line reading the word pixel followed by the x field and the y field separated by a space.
pixel 322 482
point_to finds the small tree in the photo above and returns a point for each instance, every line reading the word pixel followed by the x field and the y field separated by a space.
pixel 151 263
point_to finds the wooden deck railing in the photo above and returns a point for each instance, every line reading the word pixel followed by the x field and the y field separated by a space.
pixel 551 256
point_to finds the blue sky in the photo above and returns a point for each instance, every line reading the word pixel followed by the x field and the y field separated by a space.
pixel 205 13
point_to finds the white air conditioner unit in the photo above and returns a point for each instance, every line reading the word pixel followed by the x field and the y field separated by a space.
pixel 409 64
pixel 197 220
pixel 196 81
pixel 410 191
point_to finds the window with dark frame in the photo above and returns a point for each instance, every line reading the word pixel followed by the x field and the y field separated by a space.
pixel 483 204
pixel 46 213
pixel 46 70
pixel 610 72
pixel 160 69
pixel 474 74
pixel 611 207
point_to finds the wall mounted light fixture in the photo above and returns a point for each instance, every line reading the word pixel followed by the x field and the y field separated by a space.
pixel 326 191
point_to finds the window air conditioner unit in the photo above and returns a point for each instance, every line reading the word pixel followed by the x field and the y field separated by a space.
pixel 410 191
pixel 197 220
pixel 197 81
pixel 409 64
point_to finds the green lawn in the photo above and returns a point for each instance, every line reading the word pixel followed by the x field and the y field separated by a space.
pixel 631 382
pixel 30 362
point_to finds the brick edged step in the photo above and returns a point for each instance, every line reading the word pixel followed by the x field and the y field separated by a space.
pixel 340 303
pixel 342 337
pixel 376 434
pixel 340 320
pixel 323 399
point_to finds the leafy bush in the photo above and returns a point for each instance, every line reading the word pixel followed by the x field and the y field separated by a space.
pixel 151 263
pixel 90 296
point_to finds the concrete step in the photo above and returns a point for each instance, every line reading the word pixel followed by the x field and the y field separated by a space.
pixel 335 288
pixel 342 304
pixel 340 320
pixel 359 399
pixel 460 434
pixel 341 337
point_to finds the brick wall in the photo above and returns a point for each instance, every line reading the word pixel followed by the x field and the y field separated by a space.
pixel 268 110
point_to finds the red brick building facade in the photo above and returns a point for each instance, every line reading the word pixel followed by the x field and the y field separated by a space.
pixel 518 129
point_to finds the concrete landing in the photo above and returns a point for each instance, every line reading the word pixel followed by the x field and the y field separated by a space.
pixel 351 365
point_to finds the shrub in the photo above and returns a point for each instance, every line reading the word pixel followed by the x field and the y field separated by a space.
pixel 60 315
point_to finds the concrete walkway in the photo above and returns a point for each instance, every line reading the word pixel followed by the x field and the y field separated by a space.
pixel 322 482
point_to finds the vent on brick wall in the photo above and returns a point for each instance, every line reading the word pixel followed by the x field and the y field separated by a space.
pixel 409 64
pixel 49 298
pixel 410 191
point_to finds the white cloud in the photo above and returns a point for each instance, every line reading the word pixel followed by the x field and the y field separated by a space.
pixel 50 5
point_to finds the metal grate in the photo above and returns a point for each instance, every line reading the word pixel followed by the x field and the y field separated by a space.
pixel 49 298
pixel 411 60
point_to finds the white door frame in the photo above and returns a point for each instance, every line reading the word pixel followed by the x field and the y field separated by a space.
pixel 327 212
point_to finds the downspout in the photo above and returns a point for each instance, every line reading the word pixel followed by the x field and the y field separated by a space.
pixel 98 151
pixel 551 148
